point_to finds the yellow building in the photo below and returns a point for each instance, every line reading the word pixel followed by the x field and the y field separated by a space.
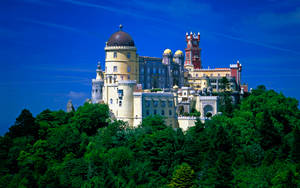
pixel 205 79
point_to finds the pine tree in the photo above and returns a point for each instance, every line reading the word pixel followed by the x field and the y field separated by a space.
pixel 183 176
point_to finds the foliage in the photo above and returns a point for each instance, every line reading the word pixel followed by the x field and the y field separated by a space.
pixel 183 177
pixel 253 144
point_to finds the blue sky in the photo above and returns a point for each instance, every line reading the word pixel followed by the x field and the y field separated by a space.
pixel 49 48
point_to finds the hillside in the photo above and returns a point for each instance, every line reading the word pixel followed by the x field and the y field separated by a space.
pixel 253 144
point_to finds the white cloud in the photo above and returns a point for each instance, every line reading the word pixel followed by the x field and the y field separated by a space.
pixel 76 95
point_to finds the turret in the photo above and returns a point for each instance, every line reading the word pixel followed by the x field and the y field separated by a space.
pixel 167 60
pixel 167 57
pixel 70 107
pixel 179 59
pixel 97 86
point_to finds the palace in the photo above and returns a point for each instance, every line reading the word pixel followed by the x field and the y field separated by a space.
pixel 135 87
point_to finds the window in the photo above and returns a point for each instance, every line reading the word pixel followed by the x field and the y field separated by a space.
pixel 159 71
pixel 170 112
pixel 111 101
pixel 128 55
pixel 128 77
pixel 115 68
pixel 211 75
pixel 219 74
pixel 170 103
pixel 115 54
pixel 154 70
pixel 120 93
pixel 122 77
pixel 163 103
pixel 147 103
pixel 96 90
pixel 148 70
pixel 162 112
pixel 120 103
pixel 128 68
pixel 155 112
pixel 142 70
pixel 155 103
pixel 196 75
pixel 147 112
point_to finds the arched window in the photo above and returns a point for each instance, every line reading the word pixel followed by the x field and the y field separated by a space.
pixel 115 54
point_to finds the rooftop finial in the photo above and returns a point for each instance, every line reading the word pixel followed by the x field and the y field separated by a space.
pixel 98 65
pixel 121 27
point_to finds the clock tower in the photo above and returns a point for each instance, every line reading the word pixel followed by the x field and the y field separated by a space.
pixel 192 51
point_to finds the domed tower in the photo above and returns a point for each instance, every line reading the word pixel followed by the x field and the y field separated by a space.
pixel 97 86
pixel 179 59
pixel 167 57
pixel 167 60
pixel 121 63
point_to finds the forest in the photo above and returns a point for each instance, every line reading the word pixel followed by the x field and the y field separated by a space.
pixel 255 143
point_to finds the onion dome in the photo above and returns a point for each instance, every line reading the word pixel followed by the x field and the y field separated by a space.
pixel 167 51
pixel 178 52
pixel 120 38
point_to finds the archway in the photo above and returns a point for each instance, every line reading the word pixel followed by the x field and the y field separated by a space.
pixel 208 110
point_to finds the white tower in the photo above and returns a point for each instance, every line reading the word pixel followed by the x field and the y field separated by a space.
pixel 97 86
pixel 125 100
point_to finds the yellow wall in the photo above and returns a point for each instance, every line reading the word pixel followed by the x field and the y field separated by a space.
pixel 122 62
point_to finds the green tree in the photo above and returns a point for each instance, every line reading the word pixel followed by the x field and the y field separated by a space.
pixel 90 117
pixel 24 125
pixel 183 176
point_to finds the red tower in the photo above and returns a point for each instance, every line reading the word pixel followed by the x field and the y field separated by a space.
pixel 192 51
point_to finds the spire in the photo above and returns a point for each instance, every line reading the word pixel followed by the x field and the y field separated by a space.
pixel 99 72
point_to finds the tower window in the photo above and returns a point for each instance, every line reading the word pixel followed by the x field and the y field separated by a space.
pixel 115 54
pixel 155 112
pixel 120 103
pixel 128 55
pixel 155 103
pixel 128 68
pixel 170 103
pixel 128 77
pixel 162 112
pixel 147 112
pixel 170 112
pixel 115 68
pixel 111 101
